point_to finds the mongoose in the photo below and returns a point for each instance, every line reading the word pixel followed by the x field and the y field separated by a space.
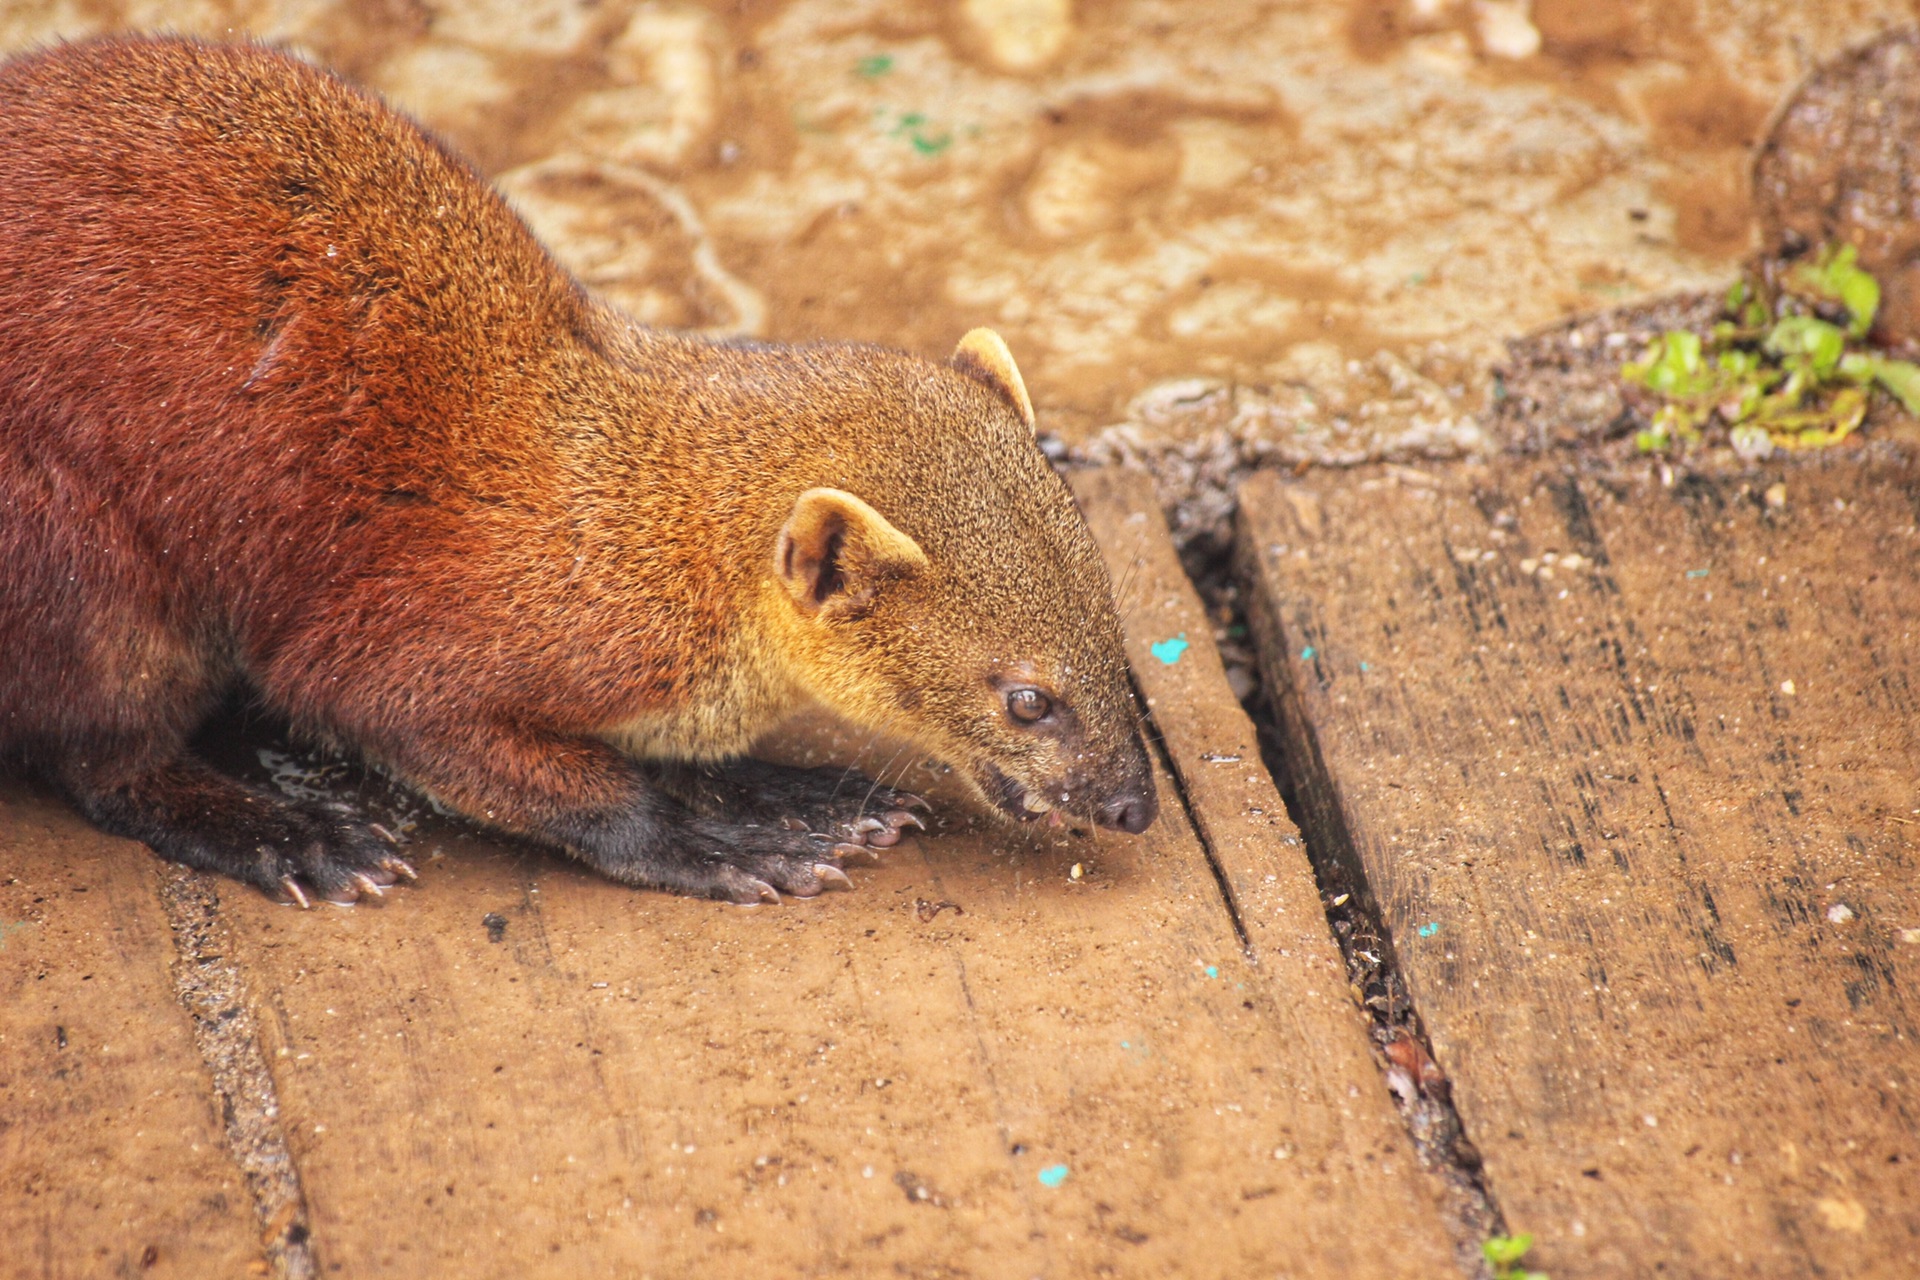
pixel 291 402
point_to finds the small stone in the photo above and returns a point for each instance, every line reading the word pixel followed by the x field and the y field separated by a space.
pixel 1021 35
pixel 1506 28
pixel 1839 1213
pixel 1786 687
pixel 1839 913
pixel 1776 495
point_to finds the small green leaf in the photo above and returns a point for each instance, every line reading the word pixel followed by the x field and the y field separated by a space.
pixel 1807 341
pixel 1903 379
pixel 1860 294
pixel 1504 1251
pixel 1835 276
pixel 1671 366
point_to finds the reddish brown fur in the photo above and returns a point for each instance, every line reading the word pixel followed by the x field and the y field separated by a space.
pixel 288 397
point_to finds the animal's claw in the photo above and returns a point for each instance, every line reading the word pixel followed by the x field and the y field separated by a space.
pixel 368 884
pixel 295 892
pixel 400 867
pixel 831 875
pixel 901 818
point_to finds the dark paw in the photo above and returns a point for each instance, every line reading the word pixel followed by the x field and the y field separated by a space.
pixel 297 852
pixel 841 803
pixel 752 864
pixel 310 853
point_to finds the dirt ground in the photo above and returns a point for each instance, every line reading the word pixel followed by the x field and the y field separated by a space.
pixel 1317 219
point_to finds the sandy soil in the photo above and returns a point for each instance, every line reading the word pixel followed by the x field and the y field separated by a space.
pixel 1313 220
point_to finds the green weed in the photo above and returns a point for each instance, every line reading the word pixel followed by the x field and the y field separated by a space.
pixel 1503 1254
pixel 1783 368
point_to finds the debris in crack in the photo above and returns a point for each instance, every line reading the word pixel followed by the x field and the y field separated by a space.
pixel 209 986
pixel 1419 1085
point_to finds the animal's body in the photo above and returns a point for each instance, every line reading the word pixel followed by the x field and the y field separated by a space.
pixel 290 401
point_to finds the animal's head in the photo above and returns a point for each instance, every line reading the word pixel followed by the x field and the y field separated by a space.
pixel 946 590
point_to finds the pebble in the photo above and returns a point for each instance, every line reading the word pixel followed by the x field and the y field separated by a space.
pixel 1021 35
pixel 1506 28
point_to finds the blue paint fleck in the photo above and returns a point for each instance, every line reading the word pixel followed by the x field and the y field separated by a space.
pixel 1169 651
pixel 1366 666
pixel 1053 1175
pixel 1696 573
pixel 1213 971
pixel 1306 654
pixel 1430 928
pixel 1126 1044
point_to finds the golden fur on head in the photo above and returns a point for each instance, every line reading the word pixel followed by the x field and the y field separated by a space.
pixel 964 571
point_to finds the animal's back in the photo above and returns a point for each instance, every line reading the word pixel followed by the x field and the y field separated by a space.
pixel 199 241
pixel 255 335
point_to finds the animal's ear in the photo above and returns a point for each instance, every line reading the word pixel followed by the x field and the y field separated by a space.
pixel 836 554
pixel 983 355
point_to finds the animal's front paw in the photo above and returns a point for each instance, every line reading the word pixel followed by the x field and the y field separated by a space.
pixel 313 853
pixel 748 863
pixel 297 852
pixel 841 803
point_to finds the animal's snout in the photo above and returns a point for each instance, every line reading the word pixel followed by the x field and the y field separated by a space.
pixel 1131 811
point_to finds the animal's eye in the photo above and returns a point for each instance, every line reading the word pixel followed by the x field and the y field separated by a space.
pixel 1028 705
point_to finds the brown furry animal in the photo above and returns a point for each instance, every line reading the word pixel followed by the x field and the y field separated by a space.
pixel 290 401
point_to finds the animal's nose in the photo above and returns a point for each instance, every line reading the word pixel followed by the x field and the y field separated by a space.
pixel 1130 811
